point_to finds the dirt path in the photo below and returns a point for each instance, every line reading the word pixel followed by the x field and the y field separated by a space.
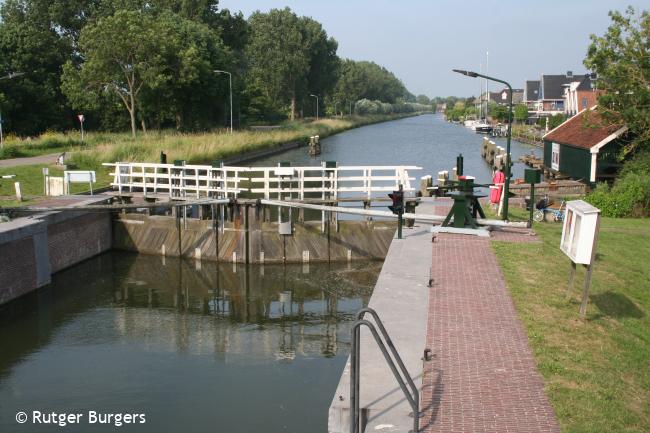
pixel 32 160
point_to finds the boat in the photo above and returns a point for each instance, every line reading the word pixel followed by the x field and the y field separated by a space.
pixel 483 128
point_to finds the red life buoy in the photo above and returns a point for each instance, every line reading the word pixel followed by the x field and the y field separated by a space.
pixel 495 191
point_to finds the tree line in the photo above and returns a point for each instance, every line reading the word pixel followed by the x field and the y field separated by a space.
pixel 138 64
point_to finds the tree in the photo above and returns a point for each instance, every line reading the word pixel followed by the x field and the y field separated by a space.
pixel 521 112
pixel 33 102
pixel 323 61
pixel 277 56
pixel 423 99
pixel 122 52
pixel 189 94
pixel 368 80
pixel 621 60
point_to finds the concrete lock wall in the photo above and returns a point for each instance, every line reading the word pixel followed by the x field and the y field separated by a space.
pixel 32 249
pixel 248 238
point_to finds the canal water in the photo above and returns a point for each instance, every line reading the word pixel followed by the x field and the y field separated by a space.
pixel 427 141
pixel 195 348
pixel 201 347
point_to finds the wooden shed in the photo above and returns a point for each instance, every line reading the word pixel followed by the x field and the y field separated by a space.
pixel 584 148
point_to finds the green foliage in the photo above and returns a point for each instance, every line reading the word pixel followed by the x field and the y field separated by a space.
pixel 32 102
pixel 367 80
pixel 154 60
pixel 290 58
pixel 630 194
pixel 423 99
pixel 366 106
pixel 553 121
pixel 498 111
pixel 521 112
pixel 620 58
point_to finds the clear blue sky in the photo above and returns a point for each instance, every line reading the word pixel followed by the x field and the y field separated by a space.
pixel 421 41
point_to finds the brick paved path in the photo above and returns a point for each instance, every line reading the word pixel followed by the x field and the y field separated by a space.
pixel 483 376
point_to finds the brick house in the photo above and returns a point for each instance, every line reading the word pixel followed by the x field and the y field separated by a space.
pixel 584 148
pixel 580 95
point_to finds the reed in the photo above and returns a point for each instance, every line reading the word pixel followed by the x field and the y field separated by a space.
pixel 208 146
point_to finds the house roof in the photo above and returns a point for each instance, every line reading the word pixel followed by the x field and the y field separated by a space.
pixel 586 130
pixel 517 95
pixel 587 83
pixel 532 90
pixel 551 86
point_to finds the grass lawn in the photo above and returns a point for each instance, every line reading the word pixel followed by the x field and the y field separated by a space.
pixel 597 369
pixel 31 183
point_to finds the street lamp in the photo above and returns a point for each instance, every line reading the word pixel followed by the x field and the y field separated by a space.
pixel 230 81
pixel 9 76
pixel 314 96
pixel 506 189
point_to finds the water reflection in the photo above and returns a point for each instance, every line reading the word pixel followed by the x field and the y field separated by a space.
pixel 122 331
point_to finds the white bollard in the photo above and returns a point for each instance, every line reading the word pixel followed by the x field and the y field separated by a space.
pixel 19 196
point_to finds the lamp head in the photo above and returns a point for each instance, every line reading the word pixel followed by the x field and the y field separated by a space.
pixel 468 73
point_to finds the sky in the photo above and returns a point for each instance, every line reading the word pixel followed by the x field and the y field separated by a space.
pixel 422 41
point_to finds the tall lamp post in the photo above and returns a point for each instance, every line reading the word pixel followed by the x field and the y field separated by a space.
pixel 506 186
pixel 314 96
pixel 230 81
pixel 9 76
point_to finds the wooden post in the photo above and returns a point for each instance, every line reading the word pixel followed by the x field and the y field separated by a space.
pixel 572 274
pixel 585 293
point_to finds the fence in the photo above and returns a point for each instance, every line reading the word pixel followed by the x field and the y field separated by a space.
pixel 178 181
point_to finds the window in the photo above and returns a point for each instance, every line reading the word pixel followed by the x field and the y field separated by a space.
pixel 584 102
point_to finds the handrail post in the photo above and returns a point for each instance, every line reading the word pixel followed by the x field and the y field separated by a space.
pixel 355 373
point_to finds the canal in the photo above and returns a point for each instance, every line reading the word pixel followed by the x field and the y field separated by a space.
pixel 209 348
pixel 201 347
pixel 427 141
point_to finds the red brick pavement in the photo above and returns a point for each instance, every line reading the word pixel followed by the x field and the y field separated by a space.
pixel 483 376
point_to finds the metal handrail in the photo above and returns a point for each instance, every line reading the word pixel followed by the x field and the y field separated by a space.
pixel 355 364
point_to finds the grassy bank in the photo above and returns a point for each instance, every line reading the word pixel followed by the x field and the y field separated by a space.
pixel 31 183
pixel 596 370
pixel 192 147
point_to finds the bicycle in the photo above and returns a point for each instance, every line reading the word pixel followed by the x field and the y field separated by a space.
pixel 558 214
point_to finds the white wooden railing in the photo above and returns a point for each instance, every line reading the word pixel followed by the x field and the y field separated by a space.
pixel 270 182
pixel 177 181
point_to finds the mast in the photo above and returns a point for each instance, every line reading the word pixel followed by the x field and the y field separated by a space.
pixel 487 88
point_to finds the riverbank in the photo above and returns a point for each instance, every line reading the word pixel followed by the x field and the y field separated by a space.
pixel 194 148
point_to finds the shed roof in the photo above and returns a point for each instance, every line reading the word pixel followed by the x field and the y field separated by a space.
pixel 585 130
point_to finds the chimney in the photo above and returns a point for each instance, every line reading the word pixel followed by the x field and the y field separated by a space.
pixel 569 74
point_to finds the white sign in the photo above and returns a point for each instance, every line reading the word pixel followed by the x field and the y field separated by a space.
pixel 504 95
pixel 555 157
pixel 79 176
pixel 580 231
pixel 81 118
pixel 284 171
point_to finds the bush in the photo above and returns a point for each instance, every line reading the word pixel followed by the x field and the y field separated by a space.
pixel 629 197
pixel 10 152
